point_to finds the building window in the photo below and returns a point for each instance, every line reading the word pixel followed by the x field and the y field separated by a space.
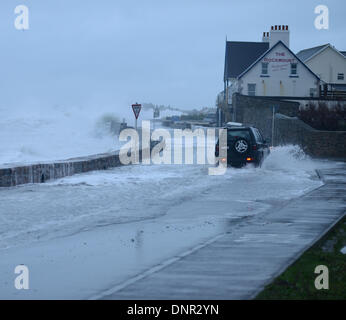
pixel 264 68
pixel 251 88
pixel 341 76
pixel 293 69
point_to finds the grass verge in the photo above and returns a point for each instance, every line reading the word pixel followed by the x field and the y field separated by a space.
pixel 297 282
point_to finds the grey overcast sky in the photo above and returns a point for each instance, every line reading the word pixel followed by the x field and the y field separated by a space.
pixel 109 52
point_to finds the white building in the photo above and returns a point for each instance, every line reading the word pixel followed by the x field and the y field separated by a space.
pixel 328 63
pixel 268 68
pixel 278 72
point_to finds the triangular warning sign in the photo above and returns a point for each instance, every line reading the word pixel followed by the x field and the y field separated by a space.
pixel 136 109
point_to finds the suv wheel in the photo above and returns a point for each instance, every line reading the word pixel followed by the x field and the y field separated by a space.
pixel 241 146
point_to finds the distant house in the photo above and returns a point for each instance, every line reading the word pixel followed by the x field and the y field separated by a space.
pixel 278 72
pixel 328 63
pixel 268 68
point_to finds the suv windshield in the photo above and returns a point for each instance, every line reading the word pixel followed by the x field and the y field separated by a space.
pixel 235 134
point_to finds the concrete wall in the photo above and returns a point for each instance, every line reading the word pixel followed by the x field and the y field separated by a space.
pixel 41 172
pixel 317 143
pixel 288 129
pixel 259 111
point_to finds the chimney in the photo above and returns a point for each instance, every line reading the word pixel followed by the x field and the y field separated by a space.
pixel 277 33
pixel 265 37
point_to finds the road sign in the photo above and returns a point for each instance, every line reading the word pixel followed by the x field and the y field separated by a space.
pixel 136 109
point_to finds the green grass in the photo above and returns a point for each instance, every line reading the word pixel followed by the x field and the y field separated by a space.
pixel 297 282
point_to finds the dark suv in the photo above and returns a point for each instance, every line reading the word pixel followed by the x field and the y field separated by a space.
pixel 244 145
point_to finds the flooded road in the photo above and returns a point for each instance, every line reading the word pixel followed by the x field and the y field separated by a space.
pixel 83 234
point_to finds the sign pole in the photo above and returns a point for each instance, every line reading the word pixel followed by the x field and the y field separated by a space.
pixel 136 108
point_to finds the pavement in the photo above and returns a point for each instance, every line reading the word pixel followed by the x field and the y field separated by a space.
pixel 238 263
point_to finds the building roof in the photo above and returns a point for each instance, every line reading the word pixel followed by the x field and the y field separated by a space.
pixel 269 50
pixel 306 54
pixel 240 55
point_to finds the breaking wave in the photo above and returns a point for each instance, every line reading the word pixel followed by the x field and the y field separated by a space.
pixel 289 158
pixel 56 133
